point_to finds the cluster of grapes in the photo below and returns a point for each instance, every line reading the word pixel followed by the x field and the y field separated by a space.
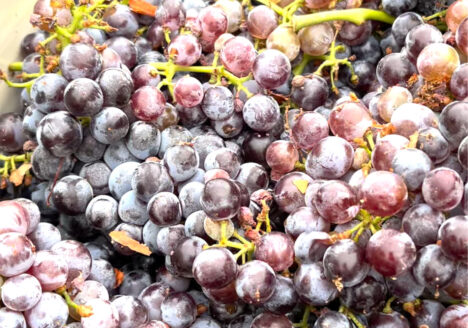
pixel 238 164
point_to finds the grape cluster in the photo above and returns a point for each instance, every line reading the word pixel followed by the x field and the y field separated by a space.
pixel 237 164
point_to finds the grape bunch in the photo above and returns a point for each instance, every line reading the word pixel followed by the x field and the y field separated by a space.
pixel 237 164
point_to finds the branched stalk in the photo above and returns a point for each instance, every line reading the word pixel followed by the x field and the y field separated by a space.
pixel 81 310
pixel 347 312
pixel 356 16
pixel 388 306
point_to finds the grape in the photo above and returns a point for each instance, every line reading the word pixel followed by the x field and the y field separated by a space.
pixel 267 319
pixel 154 324
pixel 309 93
pixel 31 119
pixel 391 99
pixel 367 296
pixel 275 249
pixel 261 113
pixel 148 103
pixel 405 287
pixel 454 122
pixel 284 39
pixel 353 35
pixel 170 14
pixel 188 91
pixel 310 247
pixel 120 179
pixel 133 231
pixel 44 236
pixel 419 37
pixel 17 254
pixel 312 286
pixel 104 313
pixel 454 316
pixel 145 74
pixel 214 268
pixel 386 149
pixel 131 311
pixel 332 319
pixel 255 282
pixel 21 293
pixel 31 40
pixel 390 252
pixel 224 159
pixel 344 263
pixel 456 12
pixel 143 140
pixel 393 319
pixel 433 143
pixel 218 103
pixel 316 39
pixel 80 60
pixel 111 59
pixel 223 295
pixel 116 86
pixel 394 69
pixel 168 237
pixel 124 48
pixel 186 50
pixel 220 199
pixel 90 149
pixel 432 268
pixel 150 178
pixel 50 311
pixel 437 61
pixel 350 120
pixel 191 116
pixel 442 189
pixel 287 195
pixel 164 209
pixel 109 125
pixel 179 310
pixel 336 202
pixel 123 20
pixel 181 162
pixel 412 165
pixel 59 133
pixel 403 24
pixel 132 210
pixel 330 158
pixel 317 4
pixel 452 234
pixel 421 222
pixel 15 217
pixel 97 174
pixel 178 284
pixel 396 8
pixel 458 287
pixel 134 284
pixel 212 22
pixel 459 82
pixel 205 322
pixel 189 197
pixel 11 135
pixel 72 194
pixel 103 272
pixel 50 270
pixel 77 257
pixel 234 13
pixel 282 156
pixel 238 55
pixel 462 36
pixel 427 313
pixel 309 129
pixel 11 319
pixel 184 254
pixel 254 147
pixel 83 97
pixel 271 69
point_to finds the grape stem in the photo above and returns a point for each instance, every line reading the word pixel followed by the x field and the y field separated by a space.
pixel 264 217
pixel 347 312
pixel 357 16
pixel 388 306
pixel 169 69
pixel 305 317
pixel 82 310
pixel 436 15
pixel 16 66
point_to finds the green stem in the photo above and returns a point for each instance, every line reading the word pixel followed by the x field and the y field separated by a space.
pixel 388 306
pixel 347 312
pixel 356 16
pixel 81 310
pixel 305 318
pixel 299 69
pixel 16 66
pixel 436 15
